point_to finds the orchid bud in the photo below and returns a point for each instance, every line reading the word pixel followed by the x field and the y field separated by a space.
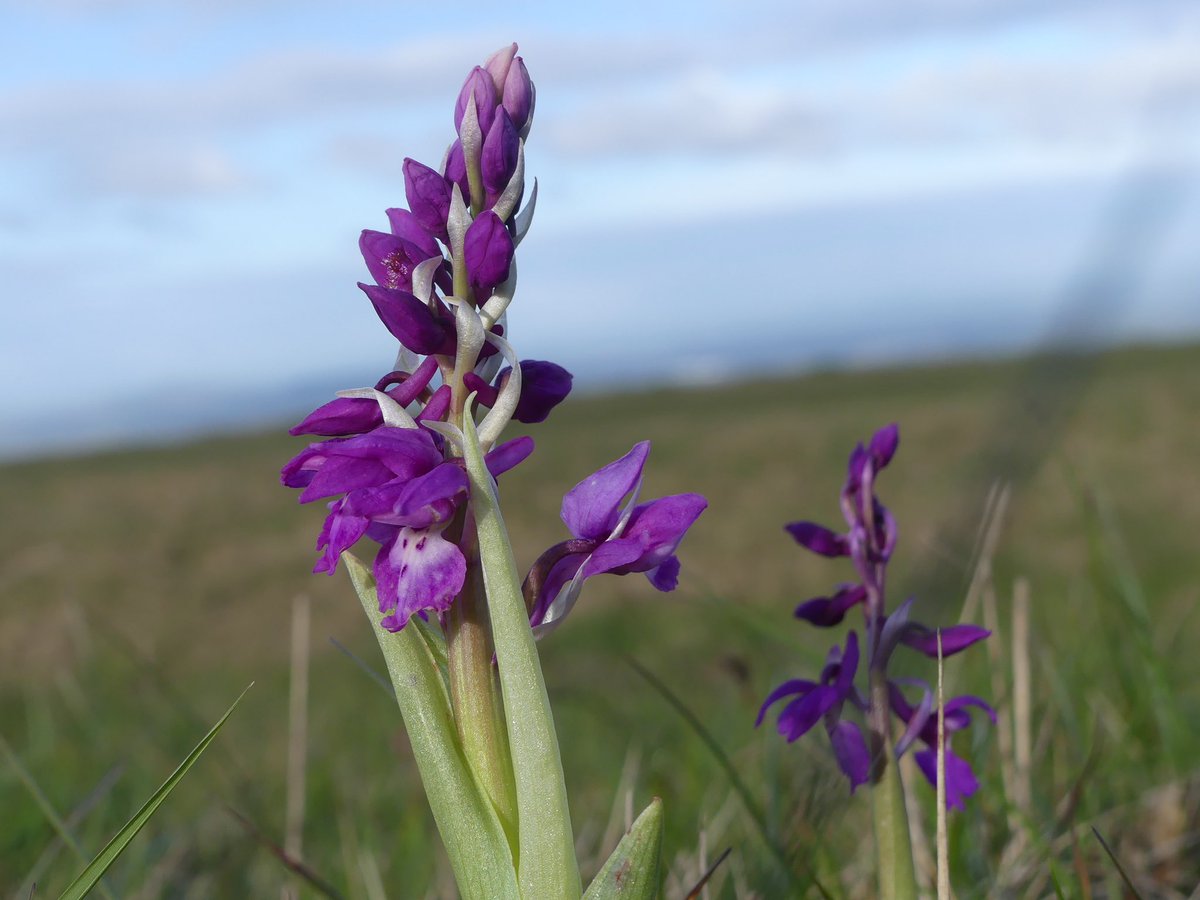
pixel 498 160
pixel 518 97
pixel 428 194
pixel 478 84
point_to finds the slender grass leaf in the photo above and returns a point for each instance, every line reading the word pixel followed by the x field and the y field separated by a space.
pixel 315 881
pixel 97 867
pixel 1116 862
pixel 735 778
pixel 60 827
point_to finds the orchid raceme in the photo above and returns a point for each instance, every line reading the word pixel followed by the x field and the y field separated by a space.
pixel 410 464
pixel 869 542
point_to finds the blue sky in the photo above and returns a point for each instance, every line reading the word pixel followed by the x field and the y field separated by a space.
pixel 723 186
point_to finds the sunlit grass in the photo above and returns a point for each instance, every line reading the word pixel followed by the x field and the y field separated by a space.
pixel 142 590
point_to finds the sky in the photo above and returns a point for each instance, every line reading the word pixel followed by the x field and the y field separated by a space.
pixel 724 187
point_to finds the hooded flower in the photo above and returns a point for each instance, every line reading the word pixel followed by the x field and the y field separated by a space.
pixel 399 491
pixel 610 537
pixel 824 699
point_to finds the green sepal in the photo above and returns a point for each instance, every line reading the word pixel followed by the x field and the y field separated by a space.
pixel 475 843
pixel 632 872
pixel 546 863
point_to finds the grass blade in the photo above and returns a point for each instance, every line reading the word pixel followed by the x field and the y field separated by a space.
pixel 735 779
pixel 60 827
pixel 315 881
pixel 97 867
pixel 1116 862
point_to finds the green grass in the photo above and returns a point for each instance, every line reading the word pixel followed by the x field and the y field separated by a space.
pixel 142 590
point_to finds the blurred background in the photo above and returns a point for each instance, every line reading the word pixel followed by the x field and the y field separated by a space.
pixel 183 186
pixel 763 231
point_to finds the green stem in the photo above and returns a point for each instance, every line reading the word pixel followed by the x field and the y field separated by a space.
pixel 893 847
pixel 546 865
pixel 474 691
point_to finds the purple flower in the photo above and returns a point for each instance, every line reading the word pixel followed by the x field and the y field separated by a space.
pixel 824 699
pixel 391 258
pixel 609 537
pixel 544 385
pixel 399 491
pixel 869 541
pixel 921 723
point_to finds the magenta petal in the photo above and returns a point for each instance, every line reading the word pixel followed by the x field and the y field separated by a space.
pixel 819 539
pixel 612 555
pixel 665 576
pixel 488 252
pixel 544 385
pixel 410 321
pixel 340 474
pixel 417 570
pixel 851 753
pixel 416 502
pixel 341 416
pixel 787 689
pixel 961 782
pixel 391 259
pixel 508 455
pixel 828 611
pixel 954 639
pixel 660 525
pixel 884 444
pixel 339 533
pixel 801 715
pixel 592 507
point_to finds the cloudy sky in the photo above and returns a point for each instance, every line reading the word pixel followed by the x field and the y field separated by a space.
pixel 723 186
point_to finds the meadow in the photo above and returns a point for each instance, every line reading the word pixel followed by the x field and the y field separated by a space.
pixel 1057 497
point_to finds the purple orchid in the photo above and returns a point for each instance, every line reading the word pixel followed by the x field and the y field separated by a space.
pixel 400 492
pixel 869 541
pixel 609 537
pixel 824 700
pixel 391 469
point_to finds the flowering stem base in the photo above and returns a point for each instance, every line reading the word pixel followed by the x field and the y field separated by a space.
pixel 475 692
pixel 475 842
pixel 893 846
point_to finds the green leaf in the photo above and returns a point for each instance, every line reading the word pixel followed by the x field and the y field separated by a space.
pixel 475 843
pixel 633 869
pixel 97 867
pixel 546 866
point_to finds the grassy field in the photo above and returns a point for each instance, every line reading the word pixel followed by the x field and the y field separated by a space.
pixel 143 590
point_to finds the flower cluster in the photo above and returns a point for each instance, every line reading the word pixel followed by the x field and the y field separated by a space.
pixel 869 542
pixel 443 276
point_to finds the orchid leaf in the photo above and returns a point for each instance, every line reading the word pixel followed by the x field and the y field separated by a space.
pixel 475 842
pixel 632 871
